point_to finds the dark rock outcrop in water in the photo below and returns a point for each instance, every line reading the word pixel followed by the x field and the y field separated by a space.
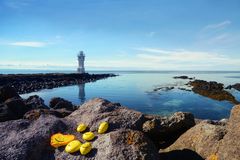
pixel 212 90
pixel 59 103
pixel 235 86
pixel 163 89
pixel 183 77
pixel 25 83
pixel 35 102
pixel 14 107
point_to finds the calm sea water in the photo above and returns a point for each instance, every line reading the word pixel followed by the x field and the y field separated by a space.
pixel 136 90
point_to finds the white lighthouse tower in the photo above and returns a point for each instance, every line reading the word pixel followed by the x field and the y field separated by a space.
pixel 81 58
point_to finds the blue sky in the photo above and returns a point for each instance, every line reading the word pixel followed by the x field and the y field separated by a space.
pixel 120 34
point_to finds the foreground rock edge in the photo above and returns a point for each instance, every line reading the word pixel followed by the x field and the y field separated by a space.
pixel 211 140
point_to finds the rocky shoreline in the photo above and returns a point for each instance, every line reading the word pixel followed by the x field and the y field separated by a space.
pixel 25 83
pixel 29 124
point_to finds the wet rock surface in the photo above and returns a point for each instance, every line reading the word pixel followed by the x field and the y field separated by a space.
pixel 212 90
pixel 25 83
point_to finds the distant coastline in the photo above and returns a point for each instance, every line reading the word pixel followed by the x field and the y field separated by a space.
pixel 32 71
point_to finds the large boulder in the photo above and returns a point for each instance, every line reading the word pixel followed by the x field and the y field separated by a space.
pixel 13 108
pixel 229 146
pixel 184 154
pixel 165 130
pixel 7 92
pixel 5 113
pixel 120 144
pixel 35 102
pixel 59 103
pixel 21 139
pixel 97 110
pixel 202 138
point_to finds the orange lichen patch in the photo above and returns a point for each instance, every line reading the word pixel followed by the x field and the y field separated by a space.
pixel 59 139
pixel 131 138
pixel 213 157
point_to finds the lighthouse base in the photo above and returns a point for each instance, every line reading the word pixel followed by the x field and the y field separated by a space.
pixel 81 70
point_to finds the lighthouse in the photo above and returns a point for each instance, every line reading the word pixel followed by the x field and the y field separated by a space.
pixel 81 58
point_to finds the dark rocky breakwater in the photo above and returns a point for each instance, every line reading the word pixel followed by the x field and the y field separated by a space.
pixel 25 83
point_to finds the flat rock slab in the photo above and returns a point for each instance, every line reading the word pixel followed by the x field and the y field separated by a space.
pixel 120 145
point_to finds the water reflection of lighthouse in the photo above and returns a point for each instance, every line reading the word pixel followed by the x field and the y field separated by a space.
pixel 81 93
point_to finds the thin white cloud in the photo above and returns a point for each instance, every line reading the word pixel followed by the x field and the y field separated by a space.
pixel 224 38
pixel 217 36
pixel 161 59
pixel 184 58
pixel 58 37
pixel 28 44
pixel 151 34
pixel 220 25
pixel 143 59
pixel 17 4
pixel 153 50
pixel 35 65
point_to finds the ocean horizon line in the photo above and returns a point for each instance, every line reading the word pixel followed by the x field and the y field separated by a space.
pixel 102 70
